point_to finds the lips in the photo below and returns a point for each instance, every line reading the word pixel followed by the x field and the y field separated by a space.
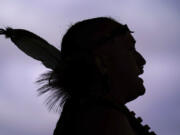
pixel 140 79
pixel 141 71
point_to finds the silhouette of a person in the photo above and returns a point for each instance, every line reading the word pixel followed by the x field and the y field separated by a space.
pixel 98 68
pixel 107 68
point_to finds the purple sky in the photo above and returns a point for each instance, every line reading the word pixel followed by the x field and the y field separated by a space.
pixel 156 26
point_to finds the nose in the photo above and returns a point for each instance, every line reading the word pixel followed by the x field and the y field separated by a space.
pixel 140 59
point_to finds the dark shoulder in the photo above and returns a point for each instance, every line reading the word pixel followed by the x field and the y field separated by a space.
pixel 102 120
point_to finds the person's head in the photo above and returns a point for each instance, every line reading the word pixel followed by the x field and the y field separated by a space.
pixel 99 57
pixel 119 59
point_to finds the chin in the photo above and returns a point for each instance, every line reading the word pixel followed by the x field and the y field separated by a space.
pixel 142 90
pixel 139 92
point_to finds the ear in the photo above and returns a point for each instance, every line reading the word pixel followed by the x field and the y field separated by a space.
pixel 101 64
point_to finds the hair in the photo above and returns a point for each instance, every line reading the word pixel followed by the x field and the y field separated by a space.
pixel 76 75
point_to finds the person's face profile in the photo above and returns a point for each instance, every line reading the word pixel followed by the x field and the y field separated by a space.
pixel 124 65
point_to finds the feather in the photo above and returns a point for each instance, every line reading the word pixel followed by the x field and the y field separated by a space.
pixel 34 46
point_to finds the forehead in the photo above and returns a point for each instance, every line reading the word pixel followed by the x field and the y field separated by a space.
pixel 125 41
pixel 117 40
pixel 125 33
pixel 130 38
pixel 117 31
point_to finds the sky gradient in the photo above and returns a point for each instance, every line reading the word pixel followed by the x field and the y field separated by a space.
pixel 157 30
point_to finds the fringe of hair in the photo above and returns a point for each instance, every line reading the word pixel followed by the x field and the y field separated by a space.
pixel 57 95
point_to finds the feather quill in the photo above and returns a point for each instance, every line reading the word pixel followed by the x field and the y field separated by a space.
pixel 34 46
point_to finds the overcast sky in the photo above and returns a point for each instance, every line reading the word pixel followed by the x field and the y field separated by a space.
pixel 157 30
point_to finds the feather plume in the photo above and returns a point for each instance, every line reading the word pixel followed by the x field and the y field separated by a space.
pixel 39 49
pixel 34 46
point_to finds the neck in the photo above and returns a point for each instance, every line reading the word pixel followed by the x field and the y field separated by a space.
pixel 115 98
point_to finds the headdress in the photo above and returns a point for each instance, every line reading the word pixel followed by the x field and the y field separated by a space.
pixel 34 46
pixel 39 49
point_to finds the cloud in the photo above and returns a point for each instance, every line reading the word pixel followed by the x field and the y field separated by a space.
pixel 156 26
